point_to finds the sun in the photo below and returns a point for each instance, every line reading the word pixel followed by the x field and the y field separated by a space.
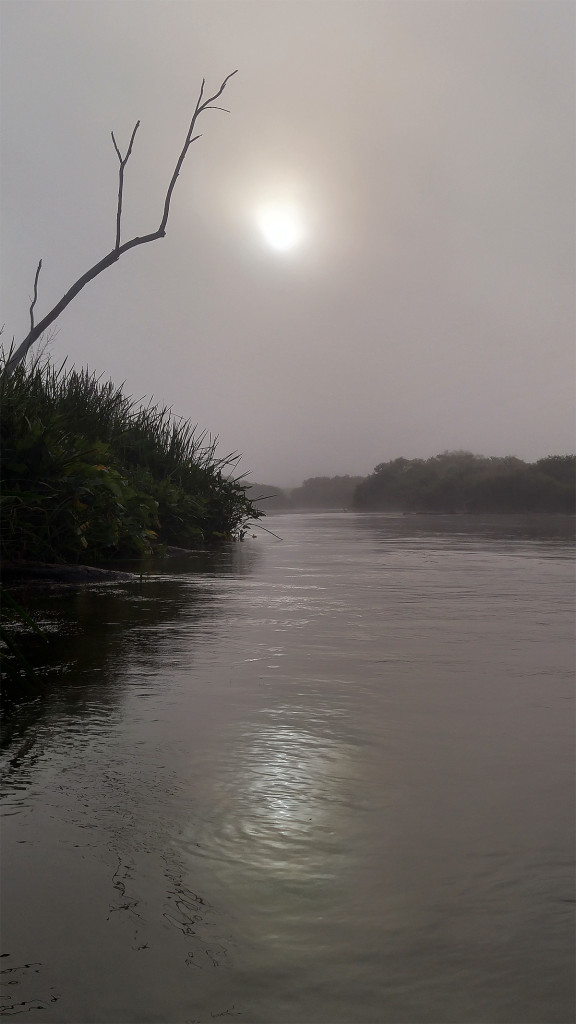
pixel 281 224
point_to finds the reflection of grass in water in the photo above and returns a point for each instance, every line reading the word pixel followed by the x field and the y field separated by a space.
pixel 15 664
pixel 95 635
pixel 84 636
pixel 89 475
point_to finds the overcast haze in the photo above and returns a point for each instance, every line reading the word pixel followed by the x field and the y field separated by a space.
pixel 428 148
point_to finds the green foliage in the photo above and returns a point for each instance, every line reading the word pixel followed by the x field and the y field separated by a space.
pixel 463 482
pixel 87 474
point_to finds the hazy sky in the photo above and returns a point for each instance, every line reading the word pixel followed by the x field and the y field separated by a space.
pixel 422 151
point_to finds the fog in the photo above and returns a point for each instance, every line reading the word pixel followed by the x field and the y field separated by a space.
pixel 427 151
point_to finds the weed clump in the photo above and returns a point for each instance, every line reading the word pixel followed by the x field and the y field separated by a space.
pixel 89 474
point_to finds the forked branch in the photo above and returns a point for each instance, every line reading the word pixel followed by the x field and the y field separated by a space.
pixel 190 138
pixel 123 161
pixel 36 330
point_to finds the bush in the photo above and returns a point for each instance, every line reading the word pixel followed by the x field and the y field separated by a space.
pixel 89 474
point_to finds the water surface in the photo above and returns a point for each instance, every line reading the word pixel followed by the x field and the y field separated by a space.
pixel 323 779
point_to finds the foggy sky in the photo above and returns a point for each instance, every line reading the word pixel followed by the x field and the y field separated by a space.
pixel 430 146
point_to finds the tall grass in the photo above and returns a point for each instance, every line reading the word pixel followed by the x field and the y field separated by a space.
pixel 89 473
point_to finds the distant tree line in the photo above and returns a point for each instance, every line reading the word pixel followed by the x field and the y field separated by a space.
pixel 330 492
pixel 325 492
pixel 460 481
pixel 456 481
pixel 268 497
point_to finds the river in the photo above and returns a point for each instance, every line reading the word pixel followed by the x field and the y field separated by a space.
pixel 327 778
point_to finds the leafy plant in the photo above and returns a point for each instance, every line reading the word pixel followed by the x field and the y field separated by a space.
pixel 88 474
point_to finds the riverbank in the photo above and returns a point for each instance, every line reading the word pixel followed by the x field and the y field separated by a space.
pixel 88 477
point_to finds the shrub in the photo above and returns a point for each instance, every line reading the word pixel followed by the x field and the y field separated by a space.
pixel 89 474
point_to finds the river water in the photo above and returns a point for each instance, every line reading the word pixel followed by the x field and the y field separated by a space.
pixel 327 778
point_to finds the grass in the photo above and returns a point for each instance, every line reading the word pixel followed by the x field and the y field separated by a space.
pixel 89 474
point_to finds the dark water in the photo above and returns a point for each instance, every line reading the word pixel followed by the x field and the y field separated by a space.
pixel 328 779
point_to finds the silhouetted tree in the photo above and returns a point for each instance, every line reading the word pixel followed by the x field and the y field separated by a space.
pixel 37 329
pixel 268 497
pixel 464 482
pixel 325 492
pixel 560 467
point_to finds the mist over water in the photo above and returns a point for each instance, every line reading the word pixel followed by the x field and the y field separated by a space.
pixel 323 779
pixel 420 156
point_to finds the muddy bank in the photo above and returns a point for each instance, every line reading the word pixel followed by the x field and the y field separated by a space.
pixel 15 572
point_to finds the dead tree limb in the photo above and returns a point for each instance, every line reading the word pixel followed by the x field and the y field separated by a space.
pixel 36 330
pixel 35 296
pixel 123 161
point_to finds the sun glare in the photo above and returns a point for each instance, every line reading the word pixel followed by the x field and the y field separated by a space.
pixel 281 225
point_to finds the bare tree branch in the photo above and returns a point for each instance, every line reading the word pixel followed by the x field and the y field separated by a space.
pixel 36 330
pixel 123 162
pixel 116 147
pixel 200 107
pixel 33 303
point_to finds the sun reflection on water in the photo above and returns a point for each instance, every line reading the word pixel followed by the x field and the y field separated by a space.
pixel 277 806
